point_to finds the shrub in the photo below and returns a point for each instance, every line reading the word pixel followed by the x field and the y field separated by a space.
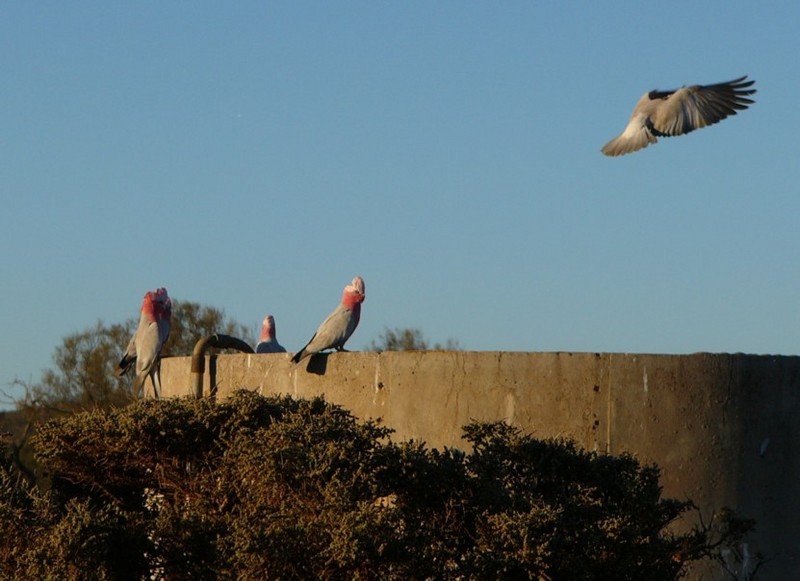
pixel 255 488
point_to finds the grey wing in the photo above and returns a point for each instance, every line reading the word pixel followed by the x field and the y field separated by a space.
pixel 698 106
pixel 148 347
pixel 331 332
pixel 163 333
pixel 128 359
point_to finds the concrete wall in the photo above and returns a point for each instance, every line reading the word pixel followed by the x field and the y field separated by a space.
pixel 723 428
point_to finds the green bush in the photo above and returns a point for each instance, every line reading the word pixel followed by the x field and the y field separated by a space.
pixel 263 488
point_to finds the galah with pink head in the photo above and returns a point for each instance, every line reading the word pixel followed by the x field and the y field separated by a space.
pixel 144 348
pixel 334 331
pixel 267 343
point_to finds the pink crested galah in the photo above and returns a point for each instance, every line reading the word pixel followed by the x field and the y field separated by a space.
pixel 340 324
pixel 144 348
pixel 267 343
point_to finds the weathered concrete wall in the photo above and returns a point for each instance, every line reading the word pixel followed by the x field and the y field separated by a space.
pixel 723 428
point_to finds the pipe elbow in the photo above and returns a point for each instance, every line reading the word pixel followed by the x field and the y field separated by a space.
pixel 217 341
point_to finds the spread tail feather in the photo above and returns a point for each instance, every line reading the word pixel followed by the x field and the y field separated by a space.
pixel 629 143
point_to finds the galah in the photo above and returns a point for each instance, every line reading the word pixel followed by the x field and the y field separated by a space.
pixel 340 324
pixel 669 113
pixel 144 348
pixel 267 343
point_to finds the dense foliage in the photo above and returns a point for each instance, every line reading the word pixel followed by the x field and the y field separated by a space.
pixel 262 488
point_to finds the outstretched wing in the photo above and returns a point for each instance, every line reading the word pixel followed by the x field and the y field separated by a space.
pixel 698 106
pixel 669 113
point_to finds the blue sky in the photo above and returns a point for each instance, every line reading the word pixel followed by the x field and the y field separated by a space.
pixel 256 156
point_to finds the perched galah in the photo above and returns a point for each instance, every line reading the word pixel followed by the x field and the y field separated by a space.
pixel 669 113
pixel 267 343
pixel 340 324
pixel 144 348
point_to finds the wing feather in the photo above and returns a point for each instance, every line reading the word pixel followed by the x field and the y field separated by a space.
pixel 699 106
pixel 670 113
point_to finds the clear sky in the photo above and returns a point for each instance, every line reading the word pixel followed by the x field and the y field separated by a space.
pixel 255 156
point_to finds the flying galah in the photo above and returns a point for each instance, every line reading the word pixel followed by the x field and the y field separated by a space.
pixel 340 324
pixel 144 348
pixel 267 343
pixel 669 113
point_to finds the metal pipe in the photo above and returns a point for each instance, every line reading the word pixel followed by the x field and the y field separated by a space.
pixel 199 360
